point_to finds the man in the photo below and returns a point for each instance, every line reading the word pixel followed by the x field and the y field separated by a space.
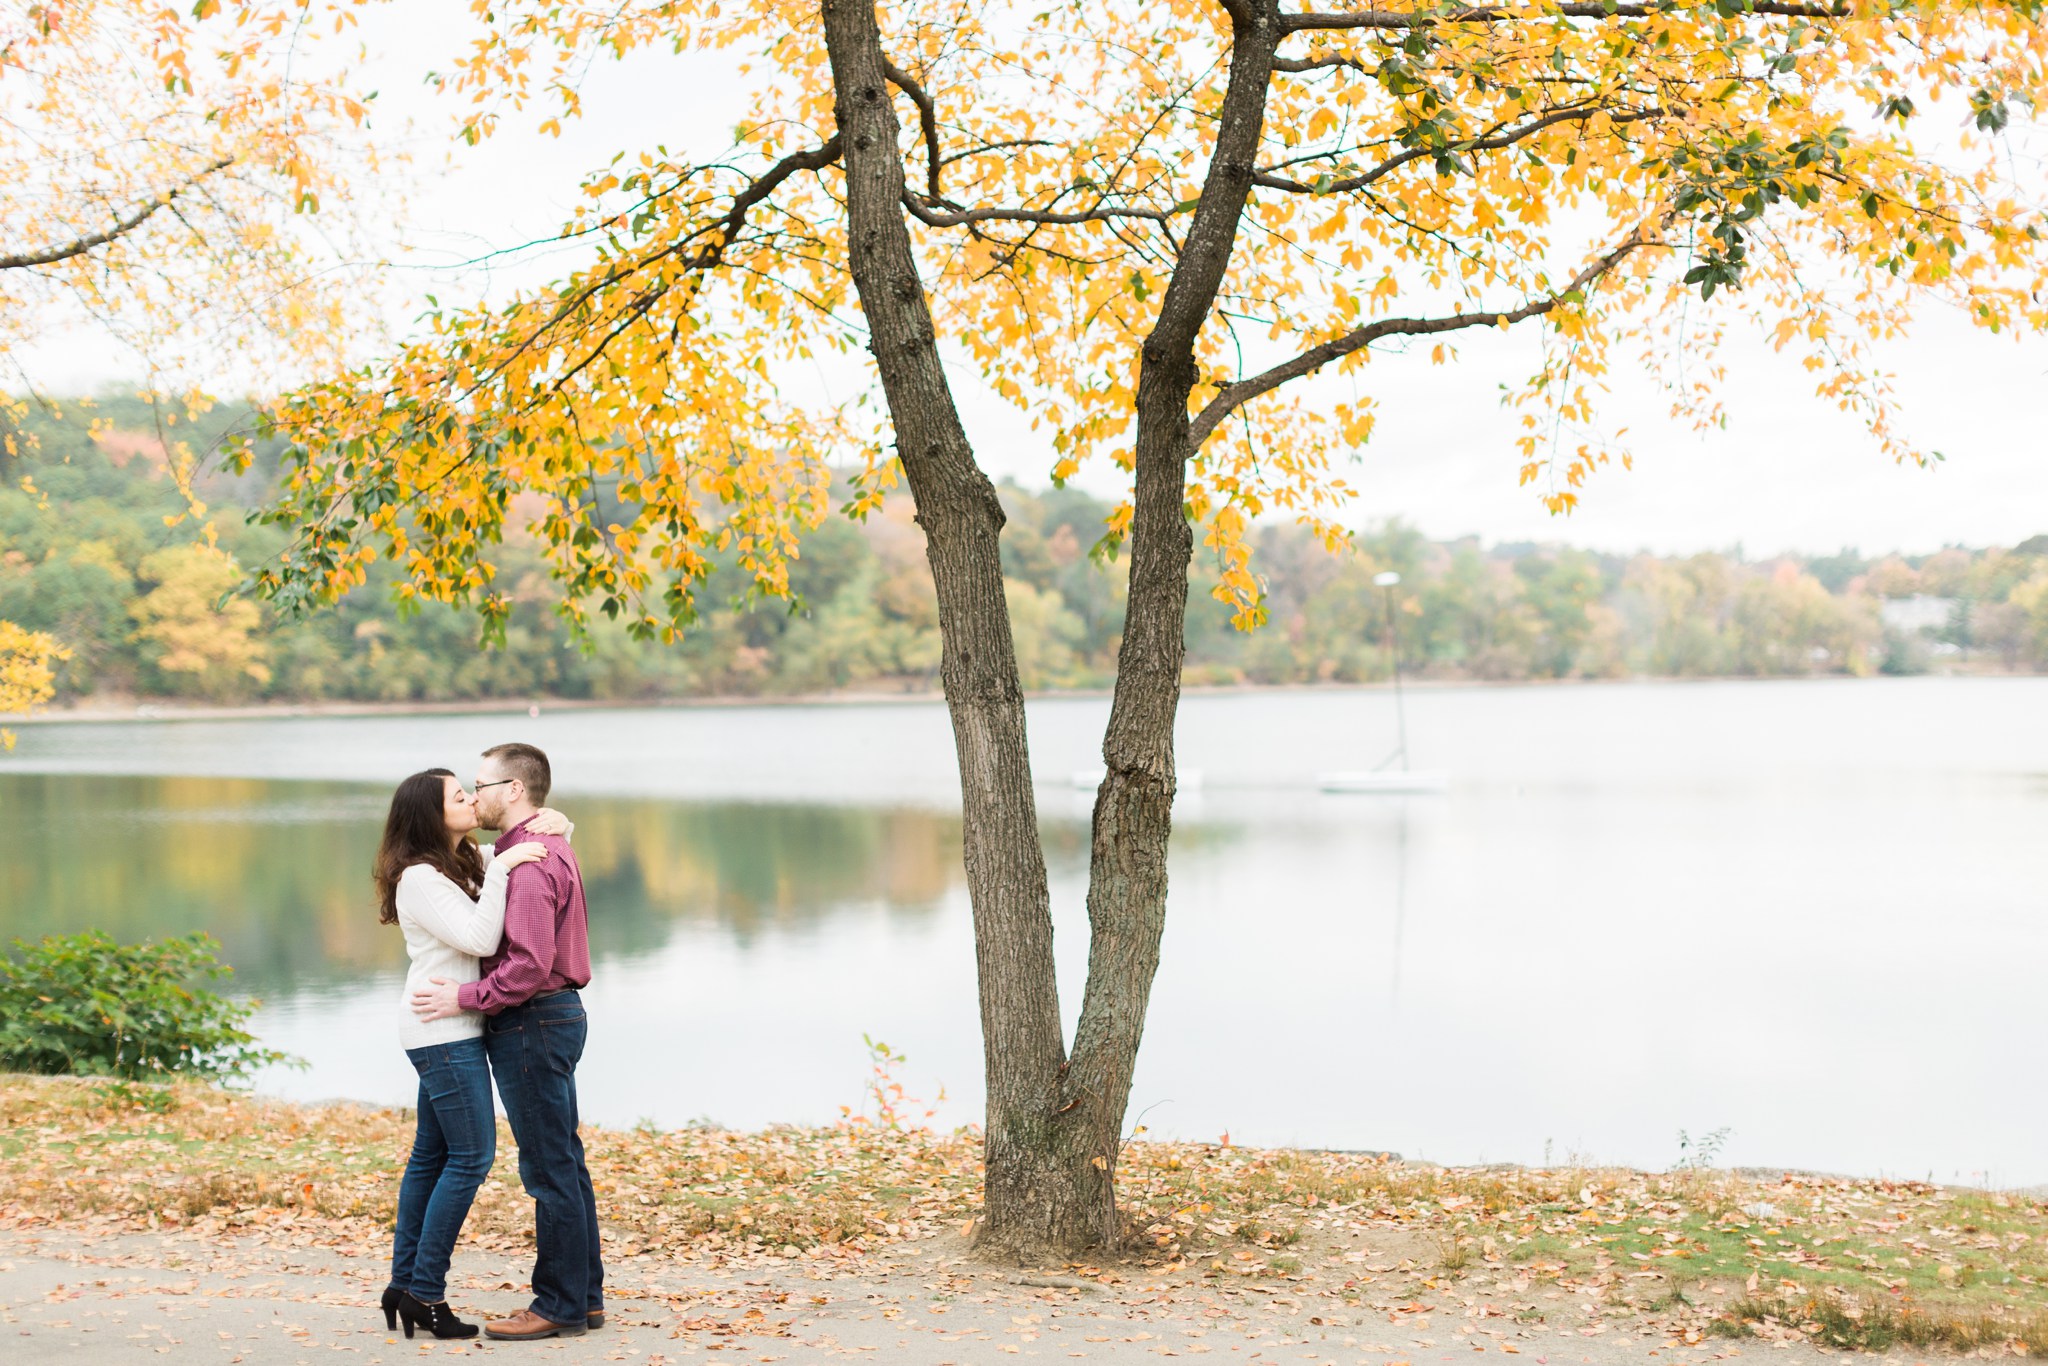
pixel 534 1037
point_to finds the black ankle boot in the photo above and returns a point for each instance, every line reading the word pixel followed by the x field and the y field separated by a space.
pixel 436 1318
pixel 392 1295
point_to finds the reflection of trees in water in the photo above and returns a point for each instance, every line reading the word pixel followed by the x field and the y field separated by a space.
pixel 279 871
pixel 755 868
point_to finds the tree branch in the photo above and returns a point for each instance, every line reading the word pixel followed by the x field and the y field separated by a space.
pixel 1575 9
pixel 722 232
pixel 1298 65
pixel 931 217
pixel 997 147
pixel 51 255
pixel 1235 396
pixel 817 159
pixel 1489 143
pixel 927 116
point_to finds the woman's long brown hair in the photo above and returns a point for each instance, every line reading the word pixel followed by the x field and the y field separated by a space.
pixel 416 831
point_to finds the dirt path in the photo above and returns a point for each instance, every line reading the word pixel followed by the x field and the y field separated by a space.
pixel 70 1297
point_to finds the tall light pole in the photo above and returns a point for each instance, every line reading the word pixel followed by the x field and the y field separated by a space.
pixel 1387 580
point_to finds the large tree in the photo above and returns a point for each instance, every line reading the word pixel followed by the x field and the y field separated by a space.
pixel 1144 226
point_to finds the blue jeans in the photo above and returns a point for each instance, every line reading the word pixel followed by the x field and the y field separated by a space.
pixel 534 1050
pixel 452 1153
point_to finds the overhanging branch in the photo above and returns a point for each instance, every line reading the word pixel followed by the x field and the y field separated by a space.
pixel 720 233
pixel 1487 143
pixel 1235 396
pixel 1493 14
pixel 50 256
pixel 1299 65
pixel 954 218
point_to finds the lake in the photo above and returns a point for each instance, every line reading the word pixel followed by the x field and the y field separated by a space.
pixel 1814 914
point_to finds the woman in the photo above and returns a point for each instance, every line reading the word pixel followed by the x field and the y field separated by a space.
pixel 433 882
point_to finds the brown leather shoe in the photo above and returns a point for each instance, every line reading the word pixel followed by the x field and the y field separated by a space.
pixel 527 1326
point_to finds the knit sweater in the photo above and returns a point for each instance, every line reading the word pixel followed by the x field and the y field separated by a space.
pixel 445 934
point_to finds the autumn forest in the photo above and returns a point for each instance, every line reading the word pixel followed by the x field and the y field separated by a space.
pixel 90 560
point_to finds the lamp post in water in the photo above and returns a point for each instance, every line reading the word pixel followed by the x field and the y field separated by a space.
pixel 1384 777
pixel 1387 580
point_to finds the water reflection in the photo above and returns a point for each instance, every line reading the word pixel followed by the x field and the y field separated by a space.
pixel 278 871
pixel 1638 909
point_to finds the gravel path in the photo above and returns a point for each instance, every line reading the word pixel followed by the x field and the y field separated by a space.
pixel 70 1296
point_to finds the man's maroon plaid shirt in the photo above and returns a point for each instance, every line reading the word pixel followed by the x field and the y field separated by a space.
pixel 547 930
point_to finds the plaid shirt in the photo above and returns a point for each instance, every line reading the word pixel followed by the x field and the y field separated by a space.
pixel 547 930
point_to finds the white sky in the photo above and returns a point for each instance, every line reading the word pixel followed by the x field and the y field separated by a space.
pixel 1788 473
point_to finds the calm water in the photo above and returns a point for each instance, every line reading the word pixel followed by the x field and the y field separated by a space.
pixel 1814 913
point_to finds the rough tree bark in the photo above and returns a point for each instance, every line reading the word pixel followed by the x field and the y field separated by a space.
pixel 1054 1128
pixel 1134 807
pixel 957 507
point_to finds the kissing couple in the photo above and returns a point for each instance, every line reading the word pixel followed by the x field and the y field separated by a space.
pixel 500 946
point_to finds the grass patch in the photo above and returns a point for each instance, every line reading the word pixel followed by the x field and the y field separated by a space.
pixel 1707 1250
pixel 1873 1324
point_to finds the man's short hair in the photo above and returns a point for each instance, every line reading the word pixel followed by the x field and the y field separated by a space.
pixel 528 765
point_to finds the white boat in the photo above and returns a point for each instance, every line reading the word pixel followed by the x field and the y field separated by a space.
pixel 1385 780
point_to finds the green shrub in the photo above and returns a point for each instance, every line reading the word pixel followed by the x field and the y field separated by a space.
pixel 85 1005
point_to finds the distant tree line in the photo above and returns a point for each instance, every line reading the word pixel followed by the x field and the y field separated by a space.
pixel 92 550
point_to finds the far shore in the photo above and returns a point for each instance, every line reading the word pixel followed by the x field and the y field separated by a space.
pixel 129 709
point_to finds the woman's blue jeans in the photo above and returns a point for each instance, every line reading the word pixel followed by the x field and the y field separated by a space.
pixel 452 1153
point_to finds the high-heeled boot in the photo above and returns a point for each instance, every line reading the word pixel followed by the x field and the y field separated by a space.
pixel 437 1318
pixel 392 1295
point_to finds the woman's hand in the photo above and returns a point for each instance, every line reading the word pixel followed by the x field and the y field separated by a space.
pixel 530 852
pixel 548 821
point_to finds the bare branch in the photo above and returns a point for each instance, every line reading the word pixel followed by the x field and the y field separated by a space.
pixel 1577 9
pixel 1234 396
pixel 927 115
pixel 1103 213
pixel 996 147
pixel 1489 143
pixel 1298 65
pixel 51 255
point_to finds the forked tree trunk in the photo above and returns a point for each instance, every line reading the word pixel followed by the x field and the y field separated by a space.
pixel 1053 1130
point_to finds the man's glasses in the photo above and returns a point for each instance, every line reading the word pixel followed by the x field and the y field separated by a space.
pixel 478 787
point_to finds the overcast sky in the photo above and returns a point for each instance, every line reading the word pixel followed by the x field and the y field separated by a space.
pixel 1788 472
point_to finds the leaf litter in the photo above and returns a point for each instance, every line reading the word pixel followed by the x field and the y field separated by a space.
pixel 1383 1254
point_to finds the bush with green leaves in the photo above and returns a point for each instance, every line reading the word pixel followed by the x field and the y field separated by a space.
pixel 86 1005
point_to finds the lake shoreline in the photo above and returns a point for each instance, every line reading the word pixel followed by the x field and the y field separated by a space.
pixel 130 709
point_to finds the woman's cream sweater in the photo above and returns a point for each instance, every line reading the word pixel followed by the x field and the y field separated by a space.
pixel 446 933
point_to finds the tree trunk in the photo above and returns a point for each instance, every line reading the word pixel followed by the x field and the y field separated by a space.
pixel 1134 807
pixel 1054 1131
pixel 1028 1205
